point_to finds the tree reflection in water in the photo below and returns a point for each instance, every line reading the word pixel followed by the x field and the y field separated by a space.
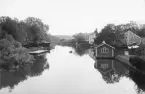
pixel 81 49
pixel 121 70
pixel 139 80
pixel 12 78
pixel 115 73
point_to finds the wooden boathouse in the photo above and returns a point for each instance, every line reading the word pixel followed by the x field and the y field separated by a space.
pixel 104 51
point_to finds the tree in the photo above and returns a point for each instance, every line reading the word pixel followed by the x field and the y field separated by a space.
pixel 115 34
pixel 80 37
pixel 96 32
pixel 37 28
pixel 31 29
pixel 107 34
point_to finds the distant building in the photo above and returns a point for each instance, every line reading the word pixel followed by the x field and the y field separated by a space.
pixel 87 36
pixel 92 36
pixel 143 41
pixel 104 50
pixel 126 52
pixel 132 39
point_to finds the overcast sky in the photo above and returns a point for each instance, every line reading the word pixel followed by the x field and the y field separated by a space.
pixel 74 16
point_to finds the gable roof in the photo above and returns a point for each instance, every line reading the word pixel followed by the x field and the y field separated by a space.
pixel 104 43
pixel 131 38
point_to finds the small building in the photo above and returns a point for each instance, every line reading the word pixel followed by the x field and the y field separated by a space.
pixel 132 39
pixel 126 53
pixel 143 41
pixel 104 50
pixel 92 36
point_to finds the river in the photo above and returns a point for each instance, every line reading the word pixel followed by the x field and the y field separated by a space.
pixel 68 73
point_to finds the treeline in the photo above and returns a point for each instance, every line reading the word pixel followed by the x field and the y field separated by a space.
pixel 14 34
pixel 114 34
pixel 79 38
pixel 79 43
pixel 29 30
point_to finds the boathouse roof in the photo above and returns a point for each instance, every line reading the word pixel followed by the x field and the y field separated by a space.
pixel 104 43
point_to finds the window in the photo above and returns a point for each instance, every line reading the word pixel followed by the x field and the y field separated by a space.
pixel 104 50
pixel 104 66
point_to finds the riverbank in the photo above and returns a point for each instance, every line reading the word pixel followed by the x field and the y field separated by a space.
pixel 16 60
pixel 125 59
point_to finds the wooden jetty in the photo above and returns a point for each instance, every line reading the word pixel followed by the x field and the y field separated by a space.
pixel 39 52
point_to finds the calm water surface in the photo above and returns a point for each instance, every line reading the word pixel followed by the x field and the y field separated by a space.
pixel 72 74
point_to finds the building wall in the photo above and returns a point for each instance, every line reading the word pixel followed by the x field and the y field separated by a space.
pixel 143 41
pixel 131 38
pixel 87 36
pixel 102 53
pixel 91 38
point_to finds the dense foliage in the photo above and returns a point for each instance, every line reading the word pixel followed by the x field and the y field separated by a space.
pixel 14 34
pixel 114 34
pixel 31 29
pixel 78 43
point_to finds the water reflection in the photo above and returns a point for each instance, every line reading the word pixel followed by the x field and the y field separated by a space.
pixel 139 80
pixel 111 70
pixel 71 74
pixel 80 48
pixel 12 78
pixel 39 66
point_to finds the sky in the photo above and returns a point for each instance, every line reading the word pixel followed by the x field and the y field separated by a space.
pixel 67 17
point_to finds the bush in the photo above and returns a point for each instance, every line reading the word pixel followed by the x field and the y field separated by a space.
pixel 14 52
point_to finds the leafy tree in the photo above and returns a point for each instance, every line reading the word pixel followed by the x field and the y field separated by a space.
pixel 115 34
pixel 14 34
pixel 96 32
pixel 79 37
pixel 107 34
pixel 38 29
pixel 31 29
